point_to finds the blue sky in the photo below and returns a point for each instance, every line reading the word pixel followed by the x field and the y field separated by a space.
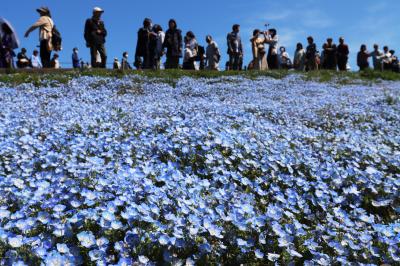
pixel 359 21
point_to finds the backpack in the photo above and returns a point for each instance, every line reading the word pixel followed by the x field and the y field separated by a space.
pixel 56 39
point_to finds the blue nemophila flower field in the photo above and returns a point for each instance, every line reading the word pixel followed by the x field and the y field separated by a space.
pixel 127 171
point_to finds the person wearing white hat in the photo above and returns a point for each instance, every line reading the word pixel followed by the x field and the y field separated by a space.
pixel 95 36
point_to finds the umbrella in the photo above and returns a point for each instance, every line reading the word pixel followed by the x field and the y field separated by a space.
pixel 14 35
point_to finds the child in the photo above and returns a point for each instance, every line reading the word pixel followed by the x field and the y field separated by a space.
pixel 35 60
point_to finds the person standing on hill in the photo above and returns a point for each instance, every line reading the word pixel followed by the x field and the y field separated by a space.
pixel 45 25
pixel 190 52
pixel 299 58
pixel 124 62
pixel 362 58
pixel 142 55
pixel 377 58
pixel 259 54
pixel 157 37
pixel 272 57
pixel 235 48
pixel 330 49
pixel 213 54
pixel 342 54
pixel 95 36
pixel 173 44
pixel 75 58
pixel 311 55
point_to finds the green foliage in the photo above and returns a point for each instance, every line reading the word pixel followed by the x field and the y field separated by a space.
pixel 59 77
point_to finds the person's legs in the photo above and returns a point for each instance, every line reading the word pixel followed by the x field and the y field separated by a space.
pixel 93 56
pixel 103 54
pixel 236 61
pixel 45 54
pixel 231 61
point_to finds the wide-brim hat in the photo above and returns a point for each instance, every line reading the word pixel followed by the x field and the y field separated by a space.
pixel 43 9
pixel 98 9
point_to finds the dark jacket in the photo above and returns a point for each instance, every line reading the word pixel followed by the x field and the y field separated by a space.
pixel 343 51
pixel 91 35
pixel 362 60
pixel 311 51
pixel 173 42
pixel 143 42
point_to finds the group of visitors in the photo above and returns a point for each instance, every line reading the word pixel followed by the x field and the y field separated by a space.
pixel 153 43
pixel 381 60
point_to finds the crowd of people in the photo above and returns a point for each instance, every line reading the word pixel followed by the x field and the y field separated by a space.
pixel 153 44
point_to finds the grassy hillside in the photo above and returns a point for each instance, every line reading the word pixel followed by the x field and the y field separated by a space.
pixel 16 77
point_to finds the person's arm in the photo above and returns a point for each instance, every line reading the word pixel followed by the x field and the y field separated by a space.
pixel 180 41
pixel 104 29
pixel 229 43
pixel 37 24
pixel 87 31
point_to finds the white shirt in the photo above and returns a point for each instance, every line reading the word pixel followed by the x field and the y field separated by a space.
pixel 36 63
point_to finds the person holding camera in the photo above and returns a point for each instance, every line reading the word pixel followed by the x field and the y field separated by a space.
pixel 311 55
pixel 95 36
pixel 272 57
pixel 259 54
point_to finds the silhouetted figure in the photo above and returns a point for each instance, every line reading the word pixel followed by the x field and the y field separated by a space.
pixel 75 58
pixel 342 53
pixel 143 55
pixel 311 55
pixel 95 36
pixel 173 44
pixel 330 49
pixel 362 58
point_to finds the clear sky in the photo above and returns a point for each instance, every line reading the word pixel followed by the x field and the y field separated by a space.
pixel 359 21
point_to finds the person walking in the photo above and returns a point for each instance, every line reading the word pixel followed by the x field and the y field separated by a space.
pixel 23 60
pixel 143 58
pixel 191 51
pixel 35 60
pixel 330 59
pixel 362 58
pixel 173 44
pixel 45 25
pixel 311 55
pixel 377 58
pixel 124 62
pixel 95 36
pixel 235 48
pixel 272 57
pixel 75 58
pixel 299 58
pixel 213 54
pixel 342 55
pixel 258 48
